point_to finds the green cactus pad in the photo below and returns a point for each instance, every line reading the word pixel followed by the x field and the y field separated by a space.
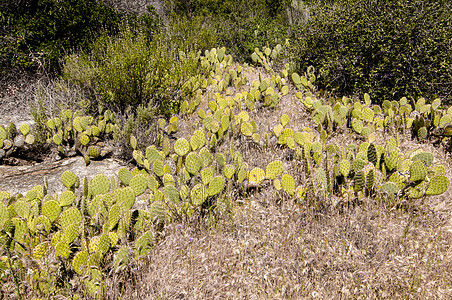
pixel 344 167
pixel 100 184
pixel 372 154
pixel 80 261
pixel 51 209
pixel 84 140
pixel 125 197
pixel 69 216
pixel 181 147
pixel 216 185
pixel 20 229
pixel 426 157
pixel 71 232
pixel 221 159
pixel 246 129
pixel 104 243
pixel 41 223
pixel 437 185
pixel 391 160
pixel 256 176
pixel 198 194
pixel 359 181
pixel 206 157
pixel 358 164
pixel 133 142
pixel 144 244
pixel 4 215
pixel 418 171
pixel 171 194
pixel 124 176
pixel 390 188
pixel 288 184
pixel 367 114
pixel 113 216
pixel 157 167
pixel 422 133
pixel 274 169
pixel 139 184
pixel 229 171
pixel 67 198
pixel 370 180
pixel 193 163
pixel 22 209
pixel 357 125
pixel 206 175
pixel 93 152
pixel 41 250
pixel 152 154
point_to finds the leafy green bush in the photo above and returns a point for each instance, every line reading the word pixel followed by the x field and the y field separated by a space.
pixel 37 33
pixel 239 26
pixel 389 49
pixel 129 70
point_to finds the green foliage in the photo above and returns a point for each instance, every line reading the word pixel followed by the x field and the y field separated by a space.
pixel 389 49
pixel 143 73
pixel 39 33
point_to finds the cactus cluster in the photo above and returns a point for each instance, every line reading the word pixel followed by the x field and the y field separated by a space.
pixel 13 139
pixel 74 133
pixel 105 225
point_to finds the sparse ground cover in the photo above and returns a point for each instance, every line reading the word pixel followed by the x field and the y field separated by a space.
pixel 254 185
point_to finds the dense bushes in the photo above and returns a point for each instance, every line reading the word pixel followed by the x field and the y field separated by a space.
pixel 37 33
pixel 389 49
pixel 240 26
pixel 130 71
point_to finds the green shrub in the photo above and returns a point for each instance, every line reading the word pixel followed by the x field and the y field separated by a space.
pixel 389 49
pixel 239 26
pixel 37 33
pixel 129 70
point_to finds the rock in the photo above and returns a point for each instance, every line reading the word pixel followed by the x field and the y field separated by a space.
pixel 20 179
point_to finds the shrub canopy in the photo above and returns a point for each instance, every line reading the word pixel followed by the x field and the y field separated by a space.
pixel 388 49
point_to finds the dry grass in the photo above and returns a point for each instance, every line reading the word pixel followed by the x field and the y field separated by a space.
pixel 282 251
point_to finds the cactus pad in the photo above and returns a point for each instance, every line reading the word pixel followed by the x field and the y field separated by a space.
pixel 372 154
pixel 67 198
pixel 192 163
pixel 113 216
pixel 246 129
pixel 437 185
pixel 256 176
pixel 80 261
pixel 51 209
pixel 359 181
pixel 144 244
pixel 125 197
pixel 171 194
pixel 418 171
pixel 125 176
pixel 274 169
pixel 157 167
pixel 426 157
pixel 198 194
pixel 69 216
pixel 100 184
pixel 344 167
pixel 216 185
pixel 288 184
pixel 139 184
pixel 133 142
pixel 181 147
